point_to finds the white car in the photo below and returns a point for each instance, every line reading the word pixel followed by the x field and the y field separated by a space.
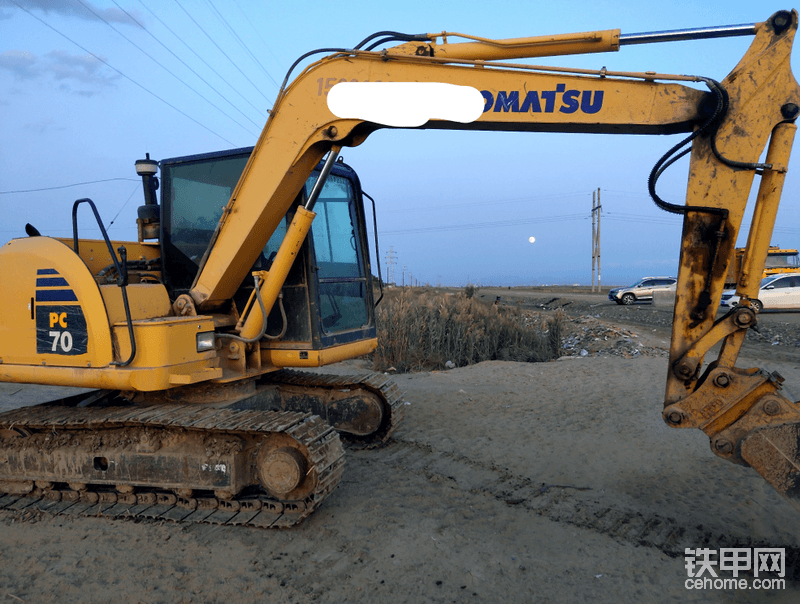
pixel 776 291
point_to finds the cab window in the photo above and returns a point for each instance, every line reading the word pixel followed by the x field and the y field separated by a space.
pixel 198 193
pixel 782 260
pixel 339 257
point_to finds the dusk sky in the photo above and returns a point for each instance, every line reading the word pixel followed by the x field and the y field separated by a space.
pixel 88 87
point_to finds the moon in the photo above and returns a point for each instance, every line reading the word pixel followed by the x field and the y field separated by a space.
pixel 531 239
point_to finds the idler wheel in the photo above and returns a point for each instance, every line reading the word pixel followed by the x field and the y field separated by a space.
pixel 281 470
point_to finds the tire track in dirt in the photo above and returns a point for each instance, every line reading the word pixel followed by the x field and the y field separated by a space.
pixel 570 504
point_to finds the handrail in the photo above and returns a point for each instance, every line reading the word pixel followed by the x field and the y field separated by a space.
pixel 122 270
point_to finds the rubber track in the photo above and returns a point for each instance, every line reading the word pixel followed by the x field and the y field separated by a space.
pixel 567 504
pixel 320 439
pixel 381 384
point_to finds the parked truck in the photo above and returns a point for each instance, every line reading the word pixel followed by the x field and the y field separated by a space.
pixel 779 260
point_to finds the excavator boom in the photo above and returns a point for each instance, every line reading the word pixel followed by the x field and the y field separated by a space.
pixel 302 129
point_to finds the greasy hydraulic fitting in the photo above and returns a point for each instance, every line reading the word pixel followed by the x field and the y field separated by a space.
pixel 771 406
pixel 744 316
pixel 723 446
pixel 722 380
pixel 790 111
pixel 235 351
pixel 781 21
pixel 685 369
pixel 675 417
pixel 184 306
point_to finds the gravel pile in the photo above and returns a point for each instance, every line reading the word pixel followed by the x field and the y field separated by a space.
pixel 784 335
pixel 777 334
pixel 589 336
pixel 640 314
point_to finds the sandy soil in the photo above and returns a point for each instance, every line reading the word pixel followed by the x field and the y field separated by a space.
pixel 507 482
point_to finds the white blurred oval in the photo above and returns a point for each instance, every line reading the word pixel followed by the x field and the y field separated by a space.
pixel 532 239
pixel 405 104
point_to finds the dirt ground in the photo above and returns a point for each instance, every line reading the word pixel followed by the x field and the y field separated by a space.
pixel 507 482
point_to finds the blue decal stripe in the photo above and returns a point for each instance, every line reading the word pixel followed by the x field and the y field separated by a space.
pixel 52 282
pixel 47 271
pixel 55 295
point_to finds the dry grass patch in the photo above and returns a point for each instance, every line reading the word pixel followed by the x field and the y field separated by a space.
pixel 421 330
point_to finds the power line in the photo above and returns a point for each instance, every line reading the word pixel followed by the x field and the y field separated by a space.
pixel 487 225
pixel 258 33
pixel 91 228
pixel 75 184
pixel 618 193
pixel 107 64
pixel 123 205
pixel 222 96
pixel 491 203
pixel 169 71
pixel 657 216
pixel 616 216
pixel 242 44
pixel 641 219
pixel 201 59
pixel 223 52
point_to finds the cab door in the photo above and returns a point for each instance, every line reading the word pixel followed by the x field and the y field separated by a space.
pixel 341 286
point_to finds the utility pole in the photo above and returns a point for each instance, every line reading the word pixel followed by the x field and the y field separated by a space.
pixel 596 207
pixel 391 260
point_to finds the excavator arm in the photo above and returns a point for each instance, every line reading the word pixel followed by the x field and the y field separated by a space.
pixel 743 411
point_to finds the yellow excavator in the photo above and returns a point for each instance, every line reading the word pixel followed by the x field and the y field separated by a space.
pixel 255 264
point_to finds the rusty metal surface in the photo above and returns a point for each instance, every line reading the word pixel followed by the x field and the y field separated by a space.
pixel 760 89
pixel 74 460
pixel 775 453
pixel 333 394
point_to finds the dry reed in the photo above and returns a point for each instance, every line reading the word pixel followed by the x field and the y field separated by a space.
pixel 419 330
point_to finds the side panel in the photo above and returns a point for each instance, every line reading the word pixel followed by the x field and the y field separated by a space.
pixel 51 310
pixel 145 301
pixel 95 253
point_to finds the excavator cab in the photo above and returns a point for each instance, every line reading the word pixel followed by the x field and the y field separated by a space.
pixel 327 298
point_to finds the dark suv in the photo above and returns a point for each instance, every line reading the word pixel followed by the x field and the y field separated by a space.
pixel 642 291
